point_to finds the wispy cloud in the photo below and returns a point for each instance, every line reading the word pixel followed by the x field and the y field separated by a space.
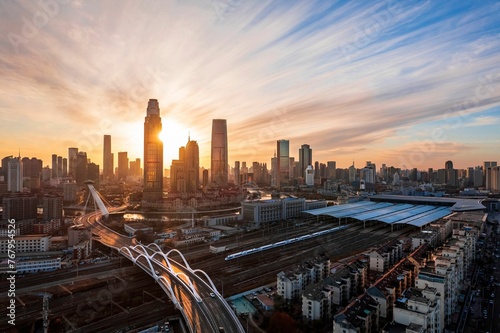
pixel 344 77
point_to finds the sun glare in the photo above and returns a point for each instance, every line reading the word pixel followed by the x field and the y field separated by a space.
pixel 173 136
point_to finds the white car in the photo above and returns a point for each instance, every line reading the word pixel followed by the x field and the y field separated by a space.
pixel 212 295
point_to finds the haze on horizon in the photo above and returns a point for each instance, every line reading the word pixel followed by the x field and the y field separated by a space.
pixel 411 83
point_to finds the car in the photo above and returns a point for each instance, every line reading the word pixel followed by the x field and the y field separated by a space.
pixel 221 329
pixel 212 295
pixel 157 273
pixel 492 295
pixel 491 301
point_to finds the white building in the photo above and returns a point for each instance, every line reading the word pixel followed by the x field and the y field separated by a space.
pixel 27 243
pixel 309 176
pixel 419 307
pixel 15 175
pixel 263 211
pixel 38 265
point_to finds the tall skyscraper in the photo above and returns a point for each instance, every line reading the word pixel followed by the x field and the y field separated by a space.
pixel 192 166
pixel 237 173
pixel 72 154
pixel 65 167
pixel 283 160
pixel 54 165
pixel 122 165
pixel 153 154
pixel 59 166
pixel 81 170
pixel 15 175
pixel 331 167
pixel 305 159
pixel 219 159
pixel 107 158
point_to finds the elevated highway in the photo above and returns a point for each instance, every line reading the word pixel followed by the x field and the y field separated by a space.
pixel 191 290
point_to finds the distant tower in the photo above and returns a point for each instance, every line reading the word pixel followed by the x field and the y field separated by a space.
pixel 65 167
pixel 309 175
pixel 81 173
pixel 59 166
pixel 236 173
pixel 219 159
pixel 122 165
pixel 283 160
pixel 54 165
pixel 153 154
pixel 448 165
pixel 305 158
pixel 72 154
pixel 15 174
pixel 192 166
pixel 107 158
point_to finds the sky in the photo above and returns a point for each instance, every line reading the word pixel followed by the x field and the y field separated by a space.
pixel 406 83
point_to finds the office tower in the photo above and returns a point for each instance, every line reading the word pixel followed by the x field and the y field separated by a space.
pixel 352 173
pixel 20 207
pixel 93 173
pixel 153 154
pixel 219 158
pixel 72 155
pixel 65 167
pixel 448 165
pixel 309 175
pixel 107 158
pixel 122 165
pixel 135 167
pixel 317 174
pixel 177 176
pixel 331 166
pixel 205 178
pixel 15 175
pixel 291 166
pixel 478 177
pixel 52 207
pixel 305 158
pixel 442 176
pixel 431 175
pixel 493 179
pixel 81 172
pixel 244 172
pixel 54 166
pixel 236 173
pixel 192 166
pixel 282 161
pixel 59 166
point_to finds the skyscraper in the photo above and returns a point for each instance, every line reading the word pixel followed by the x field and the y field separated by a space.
pixel 54 165
pixel 237 173
pixel 305 159
pixel 59 166
pixel 72 154
pixel 81 173
pixel 107 158
pixel 219 160
pixel 153 154
pixel 15 175
pixel 192 166
pixel 283 160
pixel 122 165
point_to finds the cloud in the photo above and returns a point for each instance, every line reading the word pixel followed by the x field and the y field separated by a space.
pixel 344 77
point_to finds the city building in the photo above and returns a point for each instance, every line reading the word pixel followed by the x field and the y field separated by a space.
pixel 107 158
pixel 219 148
pixel 81 174
pixel 15 175
pixel 192 166
pixel 153 154
pixel 237 180
pixel 263 211
pixel 72 161
pixel 122 165
pixel 282 163
pixel 305 159
pixel 20 207
pixel 27 243
pixel 361 315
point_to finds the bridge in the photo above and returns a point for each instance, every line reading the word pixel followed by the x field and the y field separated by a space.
pixel 191 290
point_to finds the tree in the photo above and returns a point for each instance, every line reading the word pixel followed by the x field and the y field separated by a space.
pixel 280 322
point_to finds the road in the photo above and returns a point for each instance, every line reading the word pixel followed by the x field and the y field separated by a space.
pixel 202 312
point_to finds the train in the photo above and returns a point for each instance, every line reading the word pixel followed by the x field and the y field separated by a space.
pixel 285 242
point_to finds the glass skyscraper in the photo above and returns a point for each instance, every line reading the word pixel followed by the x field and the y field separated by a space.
pixel 283 159
pixel 219 161
pixel 153 154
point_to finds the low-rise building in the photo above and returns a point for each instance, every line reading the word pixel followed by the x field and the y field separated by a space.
pixel 133 228
pixel 419 307
pixel 361 315
pixel 26 243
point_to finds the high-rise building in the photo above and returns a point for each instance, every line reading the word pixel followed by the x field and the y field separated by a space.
pixel 153 154
pixel 52 207
pixel 122 165
pixel 72 155
pixel 331 167
pixel 309 175
pixel 219 158
pixel 448 165
pixel 107 158
pixel 305 158
pixel 59 166
pixel 15 175
pixel 65 167
pixel 54 166
pixel 282 161
pixel 192 166
pixel 236 173
pixel 81 173
pixel 20 207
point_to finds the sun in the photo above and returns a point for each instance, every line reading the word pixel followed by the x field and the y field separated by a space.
pixel 174 136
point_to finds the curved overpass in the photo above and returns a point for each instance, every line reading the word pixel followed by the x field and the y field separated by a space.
pixel 191 291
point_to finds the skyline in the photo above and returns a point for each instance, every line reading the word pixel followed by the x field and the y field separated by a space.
pixel 414 83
